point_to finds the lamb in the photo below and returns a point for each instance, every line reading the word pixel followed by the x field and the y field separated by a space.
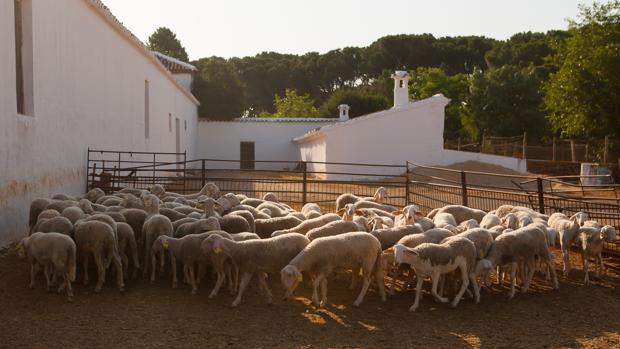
pixel 135 218
pixel 276 211
pixel 591 243
pixel 256 213
pixel 481 238
pixel 154 225
pixel 309 224
pixel 197 227
pixel 323 256
pixel 375 205
pixel 47 214
pixel 127 246
pixel 61 205
pixel 381 223
pixel 234 224
pixel 434 260
pixel 248 217
pixel 567 229
pixel 522 245
pixel 172 214
pixel 348 198
pixel 259 257
pixel 462 213
pixel 36 207
pixel 372 212
pixel 98 238
pixel 252 202
pixel 180 222
pixel 467 225
pixel 265 227
pixel 490 220
pixel 497 230
pixel 390 236
pixel 58 224
pixel 94 194
pixel 310 209
pixel 221 263
pixel 445 220
pixel 55 252
pixel 331 229
pixel 511 221
pixel 185 210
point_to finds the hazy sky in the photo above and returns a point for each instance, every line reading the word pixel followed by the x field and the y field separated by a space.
pixel 246 27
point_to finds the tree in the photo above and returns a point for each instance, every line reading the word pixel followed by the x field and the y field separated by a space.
pixel 163 40
pixel 427 82
pixel 218 89
pixel 362 101
pixel 505 102
pixel 583 97
pixel 293 106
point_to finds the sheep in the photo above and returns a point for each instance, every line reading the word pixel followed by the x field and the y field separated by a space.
pixel 372 212
pixel 309 224
pixel 210 189
pixel 371 204
pixel 467 225
pixel 324 255
pixel 310 209
pixel 497 231
pixel 481 238
pixel 116 216
pixel 522 245
pixel 276 211
pixel 135 218
pixel 331 229
pixel 390 236
pixel 567 229
pixel 256 213
pixel 510 220
pixel 490 220
pixel 234 224
pixel 462 213
pixel 130 201
pixel 58 224
pixel 380 223
pixel 186 249
pixel 347 212
pixel 171 214
pixel 47 214
pixel 265 227
pixel 525 221
pixel 208 207
pixel 180 222
pixel 271 197
pixel 348 198
pixel 154 225
pixel 185 210
pixel 259 257
pixel 252 202
pixel 197 227
pixel 94 194
pixel 73 213
pixel 127 246
pixel 445 220
pixel 434 260
pixel 55 252
pixel 61 205
pixel 591 244
pixel 36 207
pixel 248 217
pixel 222 264
pixel 98 238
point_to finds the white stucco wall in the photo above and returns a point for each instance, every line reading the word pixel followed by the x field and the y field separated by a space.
pixel 272 141
pixel 185 79
pixel 88 91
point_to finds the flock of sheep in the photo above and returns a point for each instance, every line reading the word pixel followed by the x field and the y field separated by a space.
pixel 237 238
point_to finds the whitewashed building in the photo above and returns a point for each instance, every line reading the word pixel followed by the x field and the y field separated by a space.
pixel 71 77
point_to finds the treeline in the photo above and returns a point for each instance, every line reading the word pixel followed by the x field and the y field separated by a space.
pixel 562 83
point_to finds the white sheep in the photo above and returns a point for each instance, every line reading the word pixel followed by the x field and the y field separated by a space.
pixel 310 209
pixel 309 224
pixel 257 257
pixel 567 229
pixel 390 236
pixel 332 228
pixel 343 252
pixel 462 213
pixel 445 220
pixel 127 247
pixel 467 225
pixel 490 220
pixel 55 252
pixel 434 260
pixel 591 245
pixel 154 225
pixel 266 227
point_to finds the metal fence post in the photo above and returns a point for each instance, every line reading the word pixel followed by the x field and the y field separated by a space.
pixel 304 192
pixel 87 168
pixel 541 196
pixel 407 188
pixel 464 187
pixel 153 169
pixel 203 174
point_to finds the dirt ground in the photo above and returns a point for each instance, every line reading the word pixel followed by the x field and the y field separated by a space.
pixel 157 316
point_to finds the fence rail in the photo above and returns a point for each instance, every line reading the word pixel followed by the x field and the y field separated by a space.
pixel 297 183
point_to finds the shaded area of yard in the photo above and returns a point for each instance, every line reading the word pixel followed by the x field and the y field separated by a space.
pixel 158 316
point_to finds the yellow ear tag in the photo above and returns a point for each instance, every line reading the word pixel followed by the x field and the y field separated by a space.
pixel 217 250
pixel 165 244
pixel 300 277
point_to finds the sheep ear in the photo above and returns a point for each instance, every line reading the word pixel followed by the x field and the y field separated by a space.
pixel 341 211
pixel 396 213
pixel 410 251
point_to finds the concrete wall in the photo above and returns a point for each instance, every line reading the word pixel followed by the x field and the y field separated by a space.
pixel 272 141
pixel 88 88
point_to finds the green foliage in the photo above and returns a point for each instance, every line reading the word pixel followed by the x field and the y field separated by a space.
pixel 163 40
pixel 583 96
pixel 505 102
pixel 427 82
pixel 218 89
pixel 524 49
pixel 293 105
pixel 361 101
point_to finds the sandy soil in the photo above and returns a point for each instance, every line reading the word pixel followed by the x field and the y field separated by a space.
pixel 158 316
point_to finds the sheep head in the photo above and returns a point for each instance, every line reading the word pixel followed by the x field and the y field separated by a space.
pixel 608 233
pixel 380 194
pixel 290 277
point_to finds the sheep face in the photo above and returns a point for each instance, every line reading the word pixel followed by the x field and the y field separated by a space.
pixel 510 221
pixel 290 277
pixel 580 218
pixel 271 197
pixel 484 268
pixel 377 223
pixel 381 194
pixel 347 212
pixel 410 213
pixel 608 233
pixel 157 190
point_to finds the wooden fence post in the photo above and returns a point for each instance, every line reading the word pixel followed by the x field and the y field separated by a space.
pixel 553 150
pixel 203 174
pixel 458 147
pixel 573 154
pixel 524 145
pixel 464 188
pixel 304 193
pixel 541 196
pixel 605 150
pixel 484 141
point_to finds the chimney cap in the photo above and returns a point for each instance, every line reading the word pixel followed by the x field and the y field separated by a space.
pixel 400 74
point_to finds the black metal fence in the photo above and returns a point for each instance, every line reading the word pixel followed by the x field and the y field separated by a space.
pixel 297 183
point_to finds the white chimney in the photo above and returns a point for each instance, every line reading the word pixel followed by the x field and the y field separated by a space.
pixel 344 112
pixel 401 88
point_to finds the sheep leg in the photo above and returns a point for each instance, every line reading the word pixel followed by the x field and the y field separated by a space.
pixel 231 283
pixel 67 287
pixel 565 258
pixel 365 285
pixel 34 270
pixel 599 265
pixel 173 263
pixel 47 272
pixel 245 279
pixel 85 266
pixel 218 284
pixel 531 268
pixel 550 263
pixel 125 262
pixel 435 282
pixel 315 290
pixel 464 284
pixel 162 261
pixel 147 254
pixel 442 285
pixel 100 271
pixel 513 280
pixel 418 294
pixel 263 284
pixel 192 278
pixel 586 267
pixel 324 291
pixel 476 286
pixel 153 267
pixel 393 273
pixel 354 275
